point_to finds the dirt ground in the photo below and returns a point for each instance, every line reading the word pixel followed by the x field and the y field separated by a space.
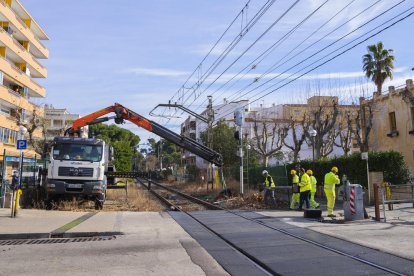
pixel 135 198
pixel 138 199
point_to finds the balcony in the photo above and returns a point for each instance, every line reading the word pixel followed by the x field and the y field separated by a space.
pixel 16 99
pixel 11 43
pixel 14 19
pixel 17 74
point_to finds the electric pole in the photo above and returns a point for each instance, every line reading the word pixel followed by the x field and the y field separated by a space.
pixel 210 120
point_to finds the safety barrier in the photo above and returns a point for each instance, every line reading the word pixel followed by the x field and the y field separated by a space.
pixel 391 194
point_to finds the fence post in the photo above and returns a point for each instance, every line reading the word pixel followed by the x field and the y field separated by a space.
pixel 376 202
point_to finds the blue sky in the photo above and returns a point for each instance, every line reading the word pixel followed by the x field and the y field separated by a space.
pixel 139 53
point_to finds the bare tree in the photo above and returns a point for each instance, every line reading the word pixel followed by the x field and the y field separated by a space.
pixel 34 122
pixel 269 136
pixel 363 125
pixel 345 133
pixel 322 118
pixel 299 130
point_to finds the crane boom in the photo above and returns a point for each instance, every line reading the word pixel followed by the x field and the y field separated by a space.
pixel 122 113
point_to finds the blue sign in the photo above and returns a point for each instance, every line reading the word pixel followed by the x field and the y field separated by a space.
pixel 21 144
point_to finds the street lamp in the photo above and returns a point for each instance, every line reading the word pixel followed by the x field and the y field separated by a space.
pixel 22 131
pixel 313 133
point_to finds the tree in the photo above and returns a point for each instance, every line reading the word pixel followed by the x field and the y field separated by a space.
pixel 363 125
pixel 322 118
pixel 34 122
pixel 345 132
pixel 123 141
pixel 378 64
pixel 224 142
pixel 269 137
pixel 297 137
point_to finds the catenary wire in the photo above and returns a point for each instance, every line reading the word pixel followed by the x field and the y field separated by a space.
pixel 325 62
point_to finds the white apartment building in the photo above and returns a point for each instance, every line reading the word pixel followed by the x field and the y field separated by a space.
pixel 57 120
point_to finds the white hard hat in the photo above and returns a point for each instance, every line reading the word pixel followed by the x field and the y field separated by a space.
pixel 264 172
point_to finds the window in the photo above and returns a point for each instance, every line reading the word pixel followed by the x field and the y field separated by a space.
pixel 63 151
pixel 8 136
pixel 393 122
pixel 193 125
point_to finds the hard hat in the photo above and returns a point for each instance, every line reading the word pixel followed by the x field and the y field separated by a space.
pixel 310 172
pixel 334 169
pixel 264 172
pixel 292 172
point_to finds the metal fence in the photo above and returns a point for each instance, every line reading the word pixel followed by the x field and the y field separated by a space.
pixel 394 194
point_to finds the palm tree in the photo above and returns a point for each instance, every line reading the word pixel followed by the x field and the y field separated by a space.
pixel 378 64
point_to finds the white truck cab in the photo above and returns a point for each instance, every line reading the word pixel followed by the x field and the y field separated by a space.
pixel 77 167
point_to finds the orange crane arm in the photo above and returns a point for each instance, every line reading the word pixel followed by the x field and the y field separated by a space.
pixel 122 113
pixel 81 122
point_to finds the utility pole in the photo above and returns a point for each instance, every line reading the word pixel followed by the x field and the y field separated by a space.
pixel 239 121
pixel 160 154
pixel 210 120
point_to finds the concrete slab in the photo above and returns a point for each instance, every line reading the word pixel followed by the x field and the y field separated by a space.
pixel 34 221
pixel 392 236
pixel 153 244
pixel 297 257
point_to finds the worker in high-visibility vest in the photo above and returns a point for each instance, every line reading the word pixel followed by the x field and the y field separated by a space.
pixel 331 180
pixel 305 187
pixel 295 191
pixel 312 201
pixel 269 190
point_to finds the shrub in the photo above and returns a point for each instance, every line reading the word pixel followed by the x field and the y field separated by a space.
pixel 390 162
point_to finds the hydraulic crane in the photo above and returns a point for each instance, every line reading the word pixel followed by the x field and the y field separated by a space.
pixel 122 113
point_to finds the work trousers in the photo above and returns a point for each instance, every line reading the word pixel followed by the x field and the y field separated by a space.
pixel 330 197
pixel 268 192
pixel 304 196
pixel 294 201
pixel 312 201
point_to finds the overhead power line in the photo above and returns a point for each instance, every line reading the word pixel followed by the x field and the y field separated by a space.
pixel 332 58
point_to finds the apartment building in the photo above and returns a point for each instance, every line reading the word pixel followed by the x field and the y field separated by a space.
pixel 57 120
pixel 393 121
pixel 20 51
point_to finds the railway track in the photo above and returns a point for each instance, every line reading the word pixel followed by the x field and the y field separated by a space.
pixel 376 266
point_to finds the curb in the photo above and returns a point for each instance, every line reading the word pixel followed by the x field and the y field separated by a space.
pixel 17 236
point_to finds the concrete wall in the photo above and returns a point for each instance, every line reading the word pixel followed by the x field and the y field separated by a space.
pixel 381 138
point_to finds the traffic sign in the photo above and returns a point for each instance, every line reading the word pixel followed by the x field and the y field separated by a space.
pixel 21 144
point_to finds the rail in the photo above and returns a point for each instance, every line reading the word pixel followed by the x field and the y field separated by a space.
pixel 285 231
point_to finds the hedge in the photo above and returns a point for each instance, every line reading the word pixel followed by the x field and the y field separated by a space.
pixel 390 162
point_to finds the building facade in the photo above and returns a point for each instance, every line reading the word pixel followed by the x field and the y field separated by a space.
pixel 57 120
pixel 393 122
pixel 20 51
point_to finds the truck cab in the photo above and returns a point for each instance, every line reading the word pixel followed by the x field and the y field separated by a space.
pixel 77 168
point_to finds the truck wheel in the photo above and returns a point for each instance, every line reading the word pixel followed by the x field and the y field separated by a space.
pixel 99 202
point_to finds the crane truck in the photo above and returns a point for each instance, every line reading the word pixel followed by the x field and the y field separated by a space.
pixel 79 166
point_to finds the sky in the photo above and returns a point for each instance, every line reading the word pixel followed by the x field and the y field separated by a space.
pixel 142 53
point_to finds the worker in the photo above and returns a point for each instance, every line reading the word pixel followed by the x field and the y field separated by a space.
pixel 312 201
pixel 295 191
pixel 269 189
pixel 331 179
pixel 15 181
pixel 305 187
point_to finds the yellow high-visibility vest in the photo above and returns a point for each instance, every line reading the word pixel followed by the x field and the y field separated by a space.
pixel 331 180
pixel 305 183
pixel 269 182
